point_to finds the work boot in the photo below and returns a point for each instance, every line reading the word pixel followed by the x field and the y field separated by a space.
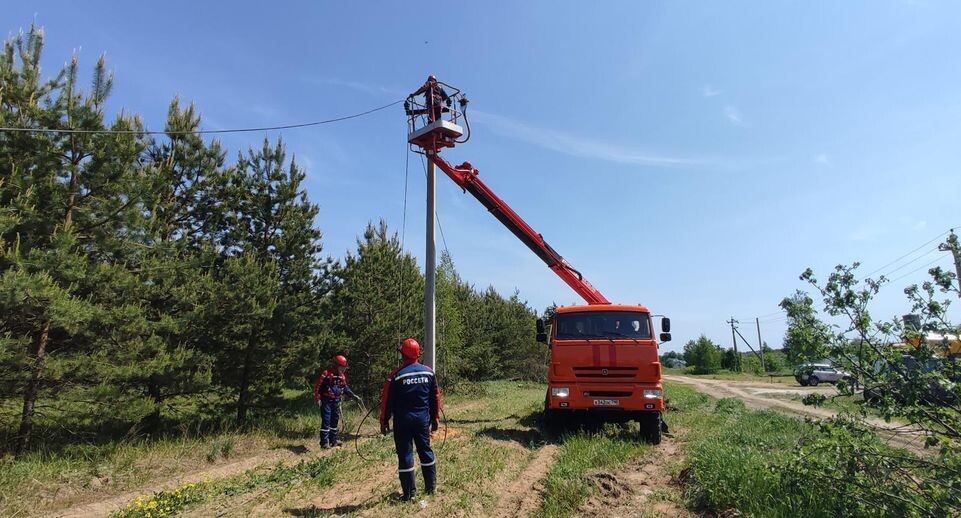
pixel 430 478
pixel 407 486
pixel 324 445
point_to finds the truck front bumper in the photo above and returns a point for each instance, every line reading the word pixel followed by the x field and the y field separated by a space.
pixel 605 398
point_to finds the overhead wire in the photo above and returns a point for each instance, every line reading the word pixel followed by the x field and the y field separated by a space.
pixel 201 132
pixel 936 259
pixel 909 253
pixel 778 312
pixel 912 261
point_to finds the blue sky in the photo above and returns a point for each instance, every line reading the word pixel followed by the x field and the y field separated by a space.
pixel 691 156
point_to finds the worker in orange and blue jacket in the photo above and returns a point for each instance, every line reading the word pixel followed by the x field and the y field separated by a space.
pixel 435 97
pixel 328 389
pixel 412 398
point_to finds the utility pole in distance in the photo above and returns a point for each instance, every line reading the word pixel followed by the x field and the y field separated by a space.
pixel 760 344
pixel 952 245
pixel 737 357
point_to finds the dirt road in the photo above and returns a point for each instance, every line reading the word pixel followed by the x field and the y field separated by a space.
pixel 764 396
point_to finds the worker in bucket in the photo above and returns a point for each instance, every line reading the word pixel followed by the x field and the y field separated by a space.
pixel 435 97
pixel 330 386
pixel 412 398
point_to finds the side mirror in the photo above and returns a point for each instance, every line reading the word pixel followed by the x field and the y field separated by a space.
pixel 541 331
pixel 665 337
pixel 666 325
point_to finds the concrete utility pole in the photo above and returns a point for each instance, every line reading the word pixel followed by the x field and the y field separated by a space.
pixel 737 357
pixel 430 303
pixel 951 245
pixel 760 344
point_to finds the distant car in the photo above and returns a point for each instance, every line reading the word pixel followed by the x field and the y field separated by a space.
pixel 811 374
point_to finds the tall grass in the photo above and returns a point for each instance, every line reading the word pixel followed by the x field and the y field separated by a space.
pixel 752 462
pixel 566 486
pixel 733 460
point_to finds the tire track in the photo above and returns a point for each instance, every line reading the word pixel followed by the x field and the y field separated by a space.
pixel 524 495
pixel 642 484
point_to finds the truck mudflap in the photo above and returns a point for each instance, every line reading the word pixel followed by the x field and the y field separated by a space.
pixel 605 399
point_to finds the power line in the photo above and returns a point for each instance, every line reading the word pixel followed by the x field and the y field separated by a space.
pixel 909 253
pixel 912 261
pixel 200 132
pixel 936 259
pixel 778 312
pixel 403 228
pixel 773 320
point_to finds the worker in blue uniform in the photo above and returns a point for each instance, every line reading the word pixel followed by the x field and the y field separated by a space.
pixel 330 386
pixel 412 398
pixel 435 97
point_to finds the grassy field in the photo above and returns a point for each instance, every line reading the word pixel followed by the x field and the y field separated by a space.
pixel 724 457
pixel 780 377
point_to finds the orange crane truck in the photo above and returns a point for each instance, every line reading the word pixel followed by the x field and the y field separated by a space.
pixel 604 364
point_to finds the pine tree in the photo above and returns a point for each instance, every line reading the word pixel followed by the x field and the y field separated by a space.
pixel 451 353
pixel 182 219
pixel 377 301
pixel 237 330
pixel 60 193
pixel 271 222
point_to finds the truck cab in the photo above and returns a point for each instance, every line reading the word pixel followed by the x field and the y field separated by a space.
pixel 604 366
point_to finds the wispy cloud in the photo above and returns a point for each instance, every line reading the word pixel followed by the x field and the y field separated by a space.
pixel 733 115
pixel 709 91
pixel 576 145
pixel 376 90
pixel 822 159
pixel 921 225
pixel 867 233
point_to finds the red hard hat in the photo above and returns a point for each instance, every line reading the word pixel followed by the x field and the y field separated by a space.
pixel 410 349
pixel 340 360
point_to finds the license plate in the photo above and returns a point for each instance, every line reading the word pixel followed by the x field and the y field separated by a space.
pixel 607 402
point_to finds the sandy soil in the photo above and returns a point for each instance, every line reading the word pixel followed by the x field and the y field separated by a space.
pixel 523 496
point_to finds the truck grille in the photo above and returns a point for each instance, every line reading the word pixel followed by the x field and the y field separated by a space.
pixel 607 393
pixel 605 372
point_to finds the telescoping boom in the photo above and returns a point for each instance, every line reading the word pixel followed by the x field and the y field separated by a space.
pixel 437 133
pixel 603 358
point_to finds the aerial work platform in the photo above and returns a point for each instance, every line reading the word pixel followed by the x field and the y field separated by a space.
pixel 440 133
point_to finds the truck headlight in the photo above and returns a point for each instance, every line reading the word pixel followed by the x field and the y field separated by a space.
pixel 653 394
pixel 560 391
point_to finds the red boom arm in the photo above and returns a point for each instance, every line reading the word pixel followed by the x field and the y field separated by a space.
pixel 467 178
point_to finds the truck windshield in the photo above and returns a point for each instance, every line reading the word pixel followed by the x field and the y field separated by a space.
pixel 602 324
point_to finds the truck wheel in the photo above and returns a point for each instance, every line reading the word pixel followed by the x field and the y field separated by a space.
pixel 547 417
pixel 650 423
pixel 552 421
pixel 813 381
pixel 592 427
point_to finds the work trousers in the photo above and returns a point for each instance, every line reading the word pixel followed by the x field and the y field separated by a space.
pixel 408 436
pixel 329 420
